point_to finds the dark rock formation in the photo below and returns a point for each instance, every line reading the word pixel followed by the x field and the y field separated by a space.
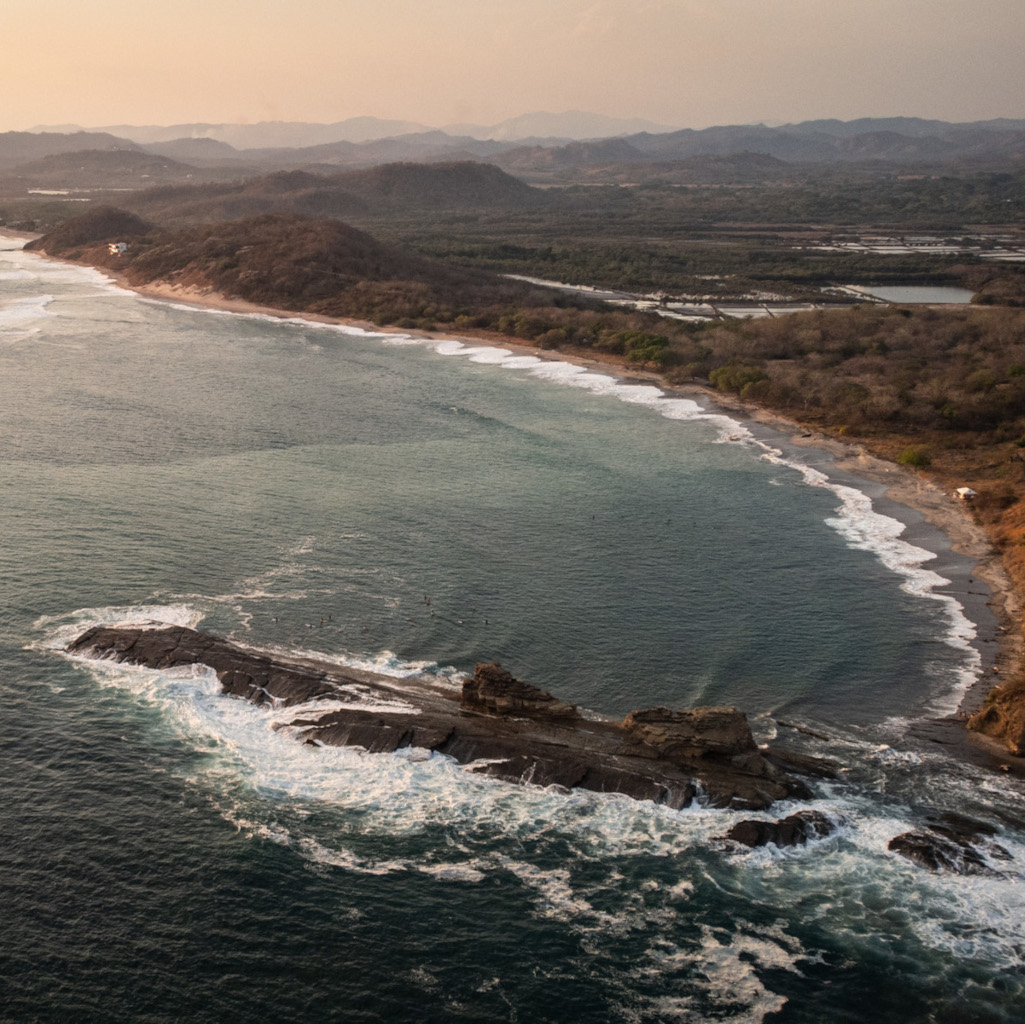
pixel 683 735
pixel 938 854
pixel 951 842
pixel 497 725
pixel 803 764
pixel 494 691
pixel 794 830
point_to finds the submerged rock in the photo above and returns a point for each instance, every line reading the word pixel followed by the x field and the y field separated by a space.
pixel 951 842
pixel 939 854
pixel 496 725
pixel 803 764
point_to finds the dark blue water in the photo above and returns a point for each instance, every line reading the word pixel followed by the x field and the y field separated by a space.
pixel 170 855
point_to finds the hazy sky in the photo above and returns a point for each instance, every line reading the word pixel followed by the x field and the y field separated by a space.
pixel 688 63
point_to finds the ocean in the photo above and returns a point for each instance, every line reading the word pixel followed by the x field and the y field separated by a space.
pixel 172 854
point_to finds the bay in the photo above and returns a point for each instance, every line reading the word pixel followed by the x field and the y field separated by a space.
pixel 170 855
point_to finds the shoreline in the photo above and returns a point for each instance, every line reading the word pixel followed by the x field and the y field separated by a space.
pixel 893 484
pixel 900 486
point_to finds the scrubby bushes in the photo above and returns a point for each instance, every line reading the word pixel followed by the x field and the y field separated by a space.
pixel 916 455
pixel 736 377
pixel 881 368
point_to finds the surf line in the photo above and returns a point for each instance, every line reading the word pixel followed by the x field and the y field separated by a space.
pixel 855 520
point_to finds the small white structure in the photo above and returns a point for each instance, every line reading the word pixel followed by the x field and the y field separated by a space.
pixel 965 493
pixel 117 248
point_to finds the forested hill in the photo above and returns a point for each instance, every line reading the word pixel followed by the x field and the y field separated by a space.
pixel 378 190
pixel 104 168
pixel 462 184
pixel 101 224
pixel 287 192
pixel 271 259
pixel 294 263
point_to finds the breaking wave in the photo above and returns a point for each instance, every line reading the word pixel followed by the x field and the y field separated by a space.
pixel 616 872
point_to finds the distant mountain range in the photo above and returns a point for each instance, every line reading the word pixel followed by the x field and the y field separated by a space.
pixel 605 153
pixel 567 126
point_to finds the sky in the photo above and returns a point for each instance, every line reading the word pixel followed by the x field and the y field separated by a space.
pixel 683 63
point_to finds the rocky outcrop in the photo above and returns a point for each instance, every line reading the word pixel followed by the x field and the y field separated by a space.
pixel 683 735
pixel 492 690
pixel 1003 717
pixel 497 725
pixel 794 830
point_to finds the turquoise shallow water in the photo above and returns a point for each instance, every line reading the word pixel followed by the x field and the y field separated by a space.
pixel 171 855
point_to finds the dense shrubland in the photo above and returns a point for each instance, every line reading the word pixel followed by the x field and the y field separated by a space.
pixel 864 367
pixel 881 368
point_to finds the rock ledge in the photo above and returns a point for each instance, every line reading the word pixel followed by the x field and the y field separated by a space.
pixel 497 725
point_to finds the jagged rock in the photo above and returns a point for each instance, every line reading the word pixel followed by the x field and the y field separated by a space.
pixel 495 691
pixel 964 830
pixel 683 735
pixel 951 842
pixel 938 854
pixel 497 726
pixel 719 741
pixel 794 830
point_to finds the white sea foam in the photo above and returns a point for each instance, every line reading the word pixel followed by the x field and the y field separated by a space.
pixel 574 375
pixel 338 807
pixel 725 967
pixel 31 267
pixel 16 315
pixel 865 529
pixel 405 793
pixel 59 630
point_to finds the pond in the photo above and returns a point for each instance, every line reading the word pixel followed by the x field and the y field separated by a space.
pixel 912 294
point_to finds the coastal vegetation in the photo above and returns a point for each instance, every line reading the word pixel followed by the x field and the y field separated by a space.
pixel 328 268
pixel 778 234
